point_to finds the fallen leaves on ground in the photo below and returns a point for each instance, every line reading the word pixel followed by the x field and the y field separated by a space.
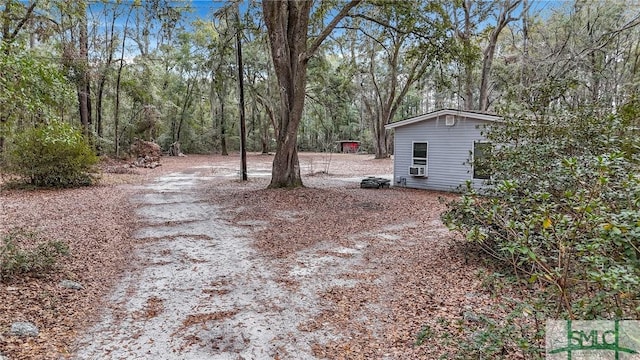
pixel 409 284
pixel 96 222
pixel 412 275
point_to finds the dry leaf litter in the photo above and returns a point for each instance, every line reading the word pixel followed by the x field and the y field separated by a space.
pixel 186 261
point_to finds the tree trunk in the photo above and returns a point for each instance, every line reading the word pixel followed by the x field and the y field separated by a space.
pixel 487 64
pixel 264 124
pixel 99 109
pixel 183 112
pixel 116 115
pixel 468 87
pixel 223 125
pixel 504 18
pixel 109 34
pixel 243 134
pixel 286 167
pixel 263 129
pixel 524 70
pixel 84 89
pixel 287 25
pixel 212 103
pixel 381 147
pixel 468 59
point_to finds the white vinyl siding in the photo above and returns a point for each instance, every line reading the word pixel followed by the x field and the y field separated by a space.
pixel 449 152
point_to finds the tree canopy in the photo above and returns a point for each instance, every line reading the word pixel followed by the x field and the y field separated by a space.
pixel 322 71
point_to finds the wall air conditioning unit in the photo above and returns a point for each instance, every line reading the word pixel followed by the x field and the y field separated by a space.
pixel 417 170
pixel 449 120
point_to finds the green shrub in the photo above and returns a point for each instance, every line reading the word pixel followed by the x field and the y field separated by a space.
pixel 51 155
pixel 17 259
pixel 518 334
pixel 563 212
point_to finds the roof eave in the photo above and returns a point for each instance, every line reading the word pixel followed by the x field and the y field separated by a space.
pixel 423 117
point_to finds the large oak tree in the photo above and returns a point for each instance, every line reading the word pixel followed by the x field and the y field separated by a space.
pixel 288 29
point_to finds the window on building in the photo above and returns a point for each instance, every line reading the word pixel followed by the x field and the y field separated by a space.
pixel 481 160
pixel 420 153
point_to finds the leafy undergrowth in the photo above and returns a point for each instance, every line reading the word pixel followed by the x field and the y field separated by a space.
pixel 23 253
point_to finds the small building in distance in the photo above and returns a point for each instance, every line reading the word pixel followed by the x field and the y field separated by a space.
pixel 442 150
pixel 348 146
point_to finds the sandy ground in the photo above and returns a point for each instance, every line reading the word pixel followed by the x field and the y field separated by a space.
pixel 199 288
pixel 188 262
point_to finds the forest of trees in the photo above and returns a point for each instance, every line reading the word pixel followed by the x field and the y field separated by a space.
pixel 314 72
pixel 83 79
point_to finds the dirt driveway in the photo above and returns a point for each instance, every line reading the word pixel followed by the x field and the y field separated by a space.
pixel 233 271
pixel 200 289
pixel 224 269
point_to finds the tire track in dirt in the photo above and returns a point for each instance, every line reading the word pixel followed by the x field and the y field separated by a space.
pixel 199 290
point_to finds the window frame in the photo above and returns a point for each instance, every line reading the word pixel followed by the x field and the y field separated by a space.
pixel 425 159
pixel 474 175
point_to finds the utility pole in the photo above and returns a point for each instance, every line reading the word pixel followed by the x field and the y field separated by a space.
pixel 243 135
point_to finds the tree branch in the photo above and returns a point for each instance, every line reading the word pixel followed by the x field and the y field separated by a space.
pixel 329 28
pixel 380 22
pixel 23 21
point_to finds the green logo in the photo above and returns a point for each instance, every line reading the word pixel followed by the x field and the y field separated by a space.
pixel 598 339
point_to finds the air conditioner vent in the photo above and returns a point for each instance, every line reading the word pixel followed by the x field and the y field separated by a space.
pixel 417 170
pixel 450 120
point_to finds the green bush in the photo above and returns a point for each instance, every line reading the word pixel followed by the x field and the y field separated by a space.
pixel 51 155
pixel 16 259
pixel 563 211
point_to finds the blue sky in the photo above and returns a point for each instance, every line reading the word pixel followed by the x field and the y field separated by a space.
pixel 204 8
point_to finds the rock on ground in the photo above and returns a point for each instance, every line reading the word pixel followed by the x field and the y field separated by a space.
pixel 71 285
pixel 24 329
